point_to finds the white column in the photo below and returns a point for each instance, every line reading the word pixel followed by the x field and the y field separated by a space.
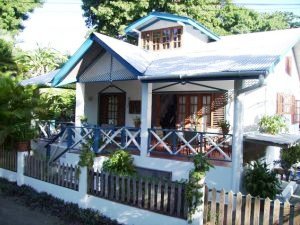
pixel 82 187
pixel 237 140
pixel 145 116
pixel 80 104
pixel 20 167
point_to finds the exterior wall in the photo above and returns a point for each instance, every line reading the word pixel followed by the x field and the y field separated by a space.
pixel 263 101
pixel 133 92
pixel 219 177
pixel 89 100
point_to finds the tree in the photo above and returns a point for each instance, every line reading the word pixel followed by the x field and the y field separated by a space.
pixel 12 13
pixel 40 61
pixel 111 17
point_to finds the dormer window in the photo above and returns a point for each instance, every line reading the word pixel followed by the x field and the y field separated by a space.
pixel 167 38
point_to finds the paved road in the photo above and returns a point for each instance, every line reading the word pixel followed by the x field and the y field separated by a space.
pixel 13 212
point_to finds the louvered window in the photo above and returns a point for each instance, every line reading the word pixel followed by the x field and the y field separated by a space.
pixel 209 109
pixel 167 38
pixel 287 104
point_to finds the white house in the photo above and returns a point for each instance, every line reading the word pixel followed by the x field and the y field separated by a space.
pixel 181 79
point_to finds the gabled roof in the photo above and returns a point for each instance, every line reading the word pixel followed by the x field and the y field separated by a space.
pixel 232 57
pixel 130 56
pixel 156 16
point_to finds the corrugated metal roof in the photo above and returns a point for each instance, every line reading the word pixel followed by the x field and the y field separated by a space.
pixel 231 57
pixel 236 53
pixel 135 56
pixel 44 79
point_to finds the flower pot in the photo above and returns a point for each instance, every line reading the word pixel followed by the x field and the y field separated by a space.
pixel 23 146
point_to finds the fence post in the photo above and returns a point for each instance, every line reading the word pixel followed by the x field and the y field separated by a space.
pixel 82 187
pixel 20 167
pixel 198 216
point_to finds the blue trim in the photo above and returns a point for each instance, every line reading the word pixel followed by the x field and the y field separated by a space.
pixel 127 65
pixel 149 24
pixel 62 73
pixel 171 17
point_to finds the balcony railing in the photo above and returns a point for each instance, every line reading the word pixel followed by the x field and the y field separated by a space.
pixel 161 142
pixel 185 143
pixel 100 139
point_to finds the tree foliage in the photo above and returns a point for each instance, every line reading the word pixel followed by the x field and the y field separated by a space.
pixel 111 17
pixel 40 61
pixel 13 12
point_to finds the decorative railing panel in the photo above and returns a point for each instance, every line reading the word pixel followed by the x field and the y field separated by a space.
pixel 50 128
pixel 155 195
pixel 59 174
pixel 184 143
pixel 8 160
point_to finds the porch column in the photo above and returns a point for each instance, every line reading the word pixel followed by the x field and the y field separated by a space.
pixel 79 110
pixel 145 116
pixel 237 140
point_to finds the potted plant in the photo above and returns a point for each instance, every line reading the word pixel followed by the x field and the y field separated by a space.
pixel 23 133
pixel 260 181
pixel 225 126
pixel 272 124
pixel 137 121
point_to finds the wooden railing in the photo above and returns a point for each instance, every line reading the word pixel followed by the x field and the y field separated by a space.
pixel 222 208
pixel 50 128
pixel 184 143
pixel 154 195
pixel 8 160
pixel 61 175
pixel 101 138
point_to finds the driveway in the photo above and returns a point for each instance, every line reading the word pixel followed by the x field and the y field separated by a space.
pixel 13 212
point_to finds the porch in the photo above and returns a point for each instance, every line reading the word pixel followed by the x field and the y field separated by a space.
pixel 162 143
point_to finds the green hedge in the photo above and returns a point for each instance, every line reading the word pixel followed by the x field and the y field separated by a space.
pixel 68 212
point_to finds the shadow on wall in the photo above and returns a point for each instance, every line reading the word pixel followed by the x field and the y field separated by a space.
pixel 253 151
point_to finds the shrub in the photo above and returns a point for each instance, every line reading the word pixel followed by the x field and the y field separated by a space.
pixel 272 124
pixel 68 212
pixel 120 163
pixel 260 181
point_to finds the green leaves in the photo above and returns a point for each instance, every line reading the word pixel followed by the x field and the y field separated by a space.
pixel 111 17
pixel 12 13
pixel 120 163
pixel 272 124
pixel 260 181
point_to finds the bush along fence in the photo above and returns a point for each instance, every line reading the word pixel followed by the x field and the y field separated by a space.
pixel 8 160
pixel 222 208
pixel 152 194
pixel 62 175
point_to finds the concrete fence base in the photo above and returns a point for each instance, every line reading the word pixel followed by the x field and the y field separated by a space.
pixel 122 213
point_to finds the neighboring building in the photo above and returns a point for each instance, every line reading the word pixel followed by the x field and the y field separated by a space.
pixel 183 76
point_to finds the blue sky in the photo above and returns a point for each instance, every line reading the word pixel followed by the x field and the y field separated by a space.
pixel 272 5
pixel 59 23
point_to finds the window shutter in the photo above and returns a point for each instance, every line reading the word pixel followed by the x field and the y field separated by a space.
pixel 103 109
pixel 279 103
pixel 218 105
pixel 121 109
